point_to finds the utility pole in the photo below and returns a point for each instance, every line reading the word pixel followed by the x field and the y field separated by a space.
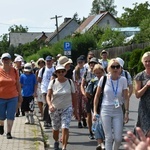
pixel 56 18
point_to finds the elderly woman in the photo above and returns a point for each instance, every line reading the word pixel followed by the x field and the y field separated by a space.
pixel 142 91
pixel 9 91
pixel 111 109
pixel 60 99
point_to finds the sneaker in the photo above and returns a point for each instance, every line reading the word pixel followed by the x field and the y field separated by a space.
pixel 98 147
pixel 91 136
pixel 84 122
pixel 31 119
pixel 1 130
pixel 9 135
pixel 80 125
pixel 56 146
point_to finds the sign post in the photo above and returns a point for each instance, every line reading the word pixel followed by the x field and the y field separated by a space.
pixel 67 48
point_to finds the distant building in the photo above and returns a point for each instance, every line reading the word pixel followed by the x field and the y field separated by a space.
pixel 16 39
pixel 101 20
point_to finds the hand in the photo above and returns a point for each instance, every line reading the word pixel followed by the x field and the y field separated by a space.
pixel 148 83
pixel 133 143
pixel 126 118
pixel 52 108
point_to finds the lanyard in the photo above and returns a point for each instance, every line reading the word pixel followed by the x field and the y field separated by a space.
pixel 115 90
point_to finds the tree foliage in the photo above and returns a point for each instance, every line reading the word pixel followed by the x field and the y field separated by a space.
pixel 18 29
pixel 103 5
pixel 133 17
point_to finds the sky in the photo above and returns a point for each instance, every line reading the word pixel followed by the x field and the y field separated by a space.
pixel 37 14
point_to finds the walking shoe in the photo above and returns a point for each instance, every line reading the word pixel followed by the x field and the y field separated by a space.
pixel 1 130
pixel 9 135
pixel 80 125
pixel 47 125
pixel 84 122
pixel 98 147
pixel 102 146
pixel 56 146
pixel 91 136
pixel 27 121
pixel 31 119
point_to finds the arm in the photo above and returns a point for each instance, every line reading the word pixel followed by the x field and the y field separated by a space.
pixel 140 91
pixel 130 90
pixel 48 99
pixel 83 83
pixel 126 103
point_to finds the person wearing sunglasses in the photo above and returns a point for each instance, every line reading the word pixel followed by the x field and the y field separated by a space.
pixel 111 112
pixel 61 99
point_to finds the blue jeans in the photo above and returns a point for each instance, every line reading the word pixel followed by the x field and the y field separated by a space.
pixel 112 121
pixel 8 108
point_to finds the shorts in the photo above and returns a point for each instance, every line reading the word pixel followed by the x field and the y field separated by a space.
pixel 61 118
pixel 8 108
pixel 89 106
pixel 39 97
pixel 28 104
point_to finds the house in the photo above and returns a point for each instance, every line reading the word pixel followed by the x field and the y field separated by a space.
pixel 16 39
pixel 102 20
pixel 67 28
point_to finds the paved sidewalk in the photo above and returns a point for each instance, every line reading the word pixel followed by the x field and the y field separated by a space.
pixel 25 137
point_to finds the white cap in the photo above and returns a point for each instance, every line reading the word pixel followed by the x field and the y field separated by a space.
pixel 5 55
pixel 18 58
pixel 121 61
pixel 27 67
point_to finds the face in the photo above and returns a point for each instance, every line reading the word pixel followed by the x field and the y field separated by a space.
pixel 60 73
pixel 41 64
pixel 146 62
pixel 49 63
pixel 6 60
pixel 90 56
pixel 104 55
pixel 99 73
pixel 92 64
pixel 67 66
pixel 115 68
pixel 80 64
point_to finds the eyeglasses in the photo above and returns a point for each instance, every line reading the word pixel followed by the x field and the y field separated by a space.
pixel 115 67
pixel 60 71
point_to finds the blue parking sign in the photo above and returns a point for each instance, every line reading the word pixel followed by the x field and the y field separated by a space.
pixel 67 46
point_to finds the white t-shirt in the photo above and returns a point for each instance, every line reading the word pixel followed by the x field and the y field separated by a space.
pixel 46 78
pixel 108 95
pixel 62 93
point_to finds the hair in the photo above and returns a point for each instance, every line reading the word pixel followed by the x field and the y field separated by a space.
pixel 98 67
pixel 110 63
pixel 146 54
pixel 77 73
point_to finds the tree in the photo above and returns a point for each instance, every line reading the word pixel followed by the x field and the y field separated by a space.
pixel 18 29
pixel 103 5
pixel 133 17
pixel 4 43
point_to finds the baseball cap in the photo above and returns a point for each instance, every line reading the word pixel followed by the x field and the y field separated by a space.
pixel 18 58
pixel 27 67
pixel 121 61
pixel 48 58
pixel 94 60
pixel 5 55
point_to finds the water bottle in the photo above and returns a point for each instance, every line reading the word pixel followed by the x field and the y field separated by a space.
pixel 94 125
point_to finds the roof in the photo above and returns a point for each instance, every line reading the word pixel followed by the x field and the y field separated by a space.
pixel 124 29
pixel 93 20
pixel 22 38
pixel 60 28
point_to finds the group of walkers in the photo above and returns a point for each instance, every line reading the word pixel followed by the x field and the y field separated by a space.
pixel 92 90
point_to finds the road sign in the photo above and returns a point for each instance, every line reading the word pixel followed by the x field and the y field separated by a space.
pixel 67 46
pixel 67 53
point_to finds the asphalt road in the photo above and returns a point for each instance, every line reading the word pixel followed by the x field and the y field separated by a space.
pixel 78 139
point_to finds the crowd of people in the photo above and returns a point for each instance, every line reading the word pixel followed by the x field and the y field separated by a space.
pixel 84 89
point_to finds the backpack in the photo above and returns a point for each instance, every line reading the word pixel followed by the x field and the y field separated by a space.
pixel 68 80
pixel 101 95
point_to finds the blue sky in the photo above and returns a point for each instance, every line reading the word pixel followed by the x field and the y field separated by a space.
pixel 36 14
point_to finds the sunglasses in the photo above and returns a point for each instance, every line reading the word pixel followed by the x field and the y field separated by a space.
pixel 115 67
pixel 6 58
pixel 60 71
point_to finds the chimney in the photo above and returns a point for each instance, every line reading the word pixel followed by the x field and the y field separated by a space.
pixel 66 19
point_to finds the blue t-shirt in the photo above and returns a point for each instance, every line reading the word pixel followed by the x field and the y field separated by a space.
pixel 28 82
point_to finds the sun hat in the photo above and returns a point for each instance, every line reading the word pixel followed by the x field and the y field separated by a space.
pixel 5 55
pixel 27 67
pixel 121 61
pixel 58 55
pixel 103 51
pixel 48 58
pixel 60 67
pixel 93 59
pixel 18 58
pixel 63 60
pixel 40 59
